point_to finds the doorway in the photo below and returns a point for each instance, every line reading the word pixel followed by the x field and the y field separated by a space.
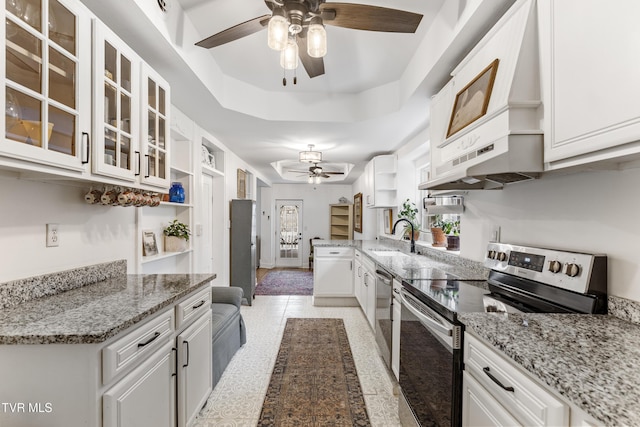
pixel 289 233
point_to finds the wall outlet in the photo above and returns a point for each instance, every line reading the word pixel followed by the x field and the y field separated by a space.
pixel 53 238
pixel 495 234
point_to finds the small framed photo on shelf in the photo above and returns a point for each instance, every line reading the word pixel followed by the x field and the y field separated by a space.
pixel 149 245
pixel 472 101
pixel 388 220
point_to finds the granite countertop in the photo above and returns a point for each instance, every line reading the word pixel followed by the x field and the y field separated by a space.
pixel 591 360
pixel 93 313
pixel 405 267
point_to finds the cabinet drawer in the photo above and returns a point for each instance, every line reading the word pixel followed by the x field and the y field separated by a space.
pixel 136 346
pixel 192 307
pixel 340 251
pixel 529 402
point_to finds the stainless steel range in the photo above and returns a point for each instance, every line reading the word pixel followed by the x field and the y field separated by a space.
pixel 521 278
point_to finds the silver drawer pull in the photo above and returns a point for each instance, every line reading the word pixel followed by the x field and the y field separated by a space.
pixel 149 341
pixel 200 304
pixel 495 380
pixel 334 253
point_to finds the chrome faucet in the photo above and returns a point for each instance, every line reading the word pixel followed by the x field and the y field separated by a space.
pixel 413 242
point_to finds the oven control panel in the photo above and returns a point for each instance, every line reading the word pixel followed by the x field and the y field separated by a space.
pixel 563 269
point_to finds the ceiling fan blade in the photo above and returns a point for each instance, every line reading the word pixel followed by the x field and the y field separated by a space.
pixel 372 18
pixel 324 175
pixel 236 32
pixel 313 66
pixel 335 173
pixel 296 171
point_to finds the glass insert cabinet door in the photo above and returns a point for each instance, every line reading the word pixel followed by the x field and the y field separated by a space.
pixel 155 128
pixel 116 106
pixel 47 82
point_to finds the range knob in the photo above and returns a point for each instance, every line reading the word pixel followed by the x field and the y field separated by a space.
pixel 572 270
pixel 501 256
pixel 491 254
pixel 555 266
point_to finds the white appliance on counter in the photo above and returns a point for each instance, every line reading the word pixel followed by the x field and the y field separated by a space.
pixel 505 143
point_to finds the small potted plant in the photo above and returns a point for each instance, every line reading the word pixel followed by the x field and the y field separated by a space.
pixel 409 212
pixel 452 230
pixel 438 236
pixel 176 237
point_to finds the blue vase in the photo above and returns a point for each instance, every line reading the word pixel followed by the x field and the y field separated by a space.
pixel 176 193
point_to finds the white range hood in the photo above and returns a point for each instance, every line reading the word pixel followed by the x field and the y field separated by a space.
pixel 506 144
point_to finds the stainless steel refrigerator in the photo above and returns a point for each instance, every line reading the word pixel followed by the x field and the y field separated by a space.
pixel 243 246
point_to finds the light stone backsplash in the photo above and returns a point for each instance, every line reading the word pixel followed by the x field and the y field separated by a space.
pixel 22 290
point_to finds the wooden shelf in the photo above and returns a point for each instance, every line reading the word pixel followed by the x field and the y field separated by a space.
pixel 163 255
pixel 341 222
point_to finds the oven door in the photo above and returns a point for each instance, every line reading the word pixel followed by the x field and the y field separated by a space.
pixel 430 364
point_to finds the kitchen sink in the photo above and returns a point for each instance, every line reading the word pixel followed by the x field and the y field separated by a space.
pixel 389 253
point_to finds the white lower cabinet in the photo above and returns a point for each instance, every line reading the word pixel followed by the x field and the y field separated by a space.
pixel 358 276
pixel 194 369
pixel 498 393
pixel 369 291
pixel 395 332
pixel 145 397
pixel 333 272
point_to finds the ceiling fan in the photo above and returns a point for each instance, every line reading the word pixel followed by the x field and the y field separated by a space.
pixel 316 172
pixel 296 28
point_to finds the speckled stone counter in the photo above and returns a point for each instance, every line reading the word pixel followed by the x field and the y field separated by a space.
pixel 406 267
pixel 96 312
pixel 591 360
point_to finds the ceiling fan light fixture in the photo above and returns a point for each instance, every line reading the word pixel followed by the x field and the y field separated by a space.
pixel 278 31
pixel 310 180
pixel 318 180
pixel 316 39
pixel 289 55
pixel 310 156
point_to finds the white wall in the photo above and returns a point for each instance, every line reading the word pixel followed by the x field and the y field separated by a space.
pixel 316 199
pixel 89 234
pixel 369 216
pixel 592 211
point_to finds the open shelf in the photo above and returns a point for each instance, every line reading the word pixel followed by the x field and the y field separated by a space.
pixel 211 171
pixel 180 205
pixel 163 255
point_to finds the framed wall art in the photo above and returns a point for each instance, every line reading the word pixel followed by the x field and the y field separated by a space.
pixel 357 212
pixel 472 101
pixel 149 244
pixel 388 220
pixel 242 184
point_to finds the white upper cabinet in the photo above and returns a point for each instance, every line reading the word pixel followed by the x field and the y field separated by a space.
pixel 47 80
pixel 116 104
pixel 380 182
pixel 590 79
pixel 155 128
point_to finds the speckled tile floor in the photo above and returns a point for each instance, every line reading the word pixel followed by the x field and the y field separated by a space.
pixel 237 399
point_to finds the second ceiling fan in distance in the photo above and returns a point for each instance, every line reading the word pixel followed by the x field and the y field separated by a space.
pixel 296 28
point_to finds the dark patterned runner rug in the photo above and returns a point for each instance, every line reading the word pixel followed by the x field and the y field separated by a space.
pixel 314 382
pixel 286 282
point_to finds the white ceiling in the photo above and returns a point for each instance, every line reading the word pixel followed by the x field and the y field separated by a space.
pixel 373 98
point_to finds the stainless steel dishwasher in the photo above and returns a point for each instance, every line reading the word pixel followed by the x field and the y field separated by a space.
pixel 384 313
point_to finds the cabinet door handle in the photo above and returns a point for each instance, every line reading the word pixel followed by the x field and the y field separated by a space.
pixel 186 343
pixel 495 380
pixel 200 304
pixel 175 362
pixel 139 166
pixel 87 144
pixel 350 265
pixel 150 340
pixel 334 253
pixel 148 166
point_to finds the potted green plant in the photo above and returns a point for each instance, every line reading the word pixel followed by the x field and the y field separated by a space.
pixel 452 230
pixel 438 236
pixel 409 212
pixel 176 236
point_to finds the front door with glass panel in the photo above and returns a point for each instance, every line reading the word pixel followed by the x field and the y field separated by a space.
pixel 289 242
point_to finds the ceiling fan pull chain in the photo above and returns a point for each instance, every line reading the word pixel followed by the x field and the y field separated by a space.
pixel 295 76
pixel 284 77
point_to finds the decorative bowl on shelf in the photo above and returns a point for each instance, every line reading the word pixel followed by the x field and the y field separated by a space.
pixel 30 130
